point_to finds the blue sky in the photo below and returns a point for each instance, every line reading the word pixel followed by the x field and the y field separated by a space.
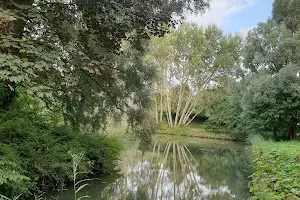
pixel 235 15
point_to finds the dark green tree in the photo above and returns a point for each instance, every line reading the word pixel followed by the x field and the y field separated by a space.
pixel 225 109
pixel 85 56
pixel 266 98
pixel 287 12
pixel 272 102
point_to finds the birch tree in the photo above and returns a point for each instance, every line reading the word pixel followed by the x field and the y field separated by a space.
pixel 191 59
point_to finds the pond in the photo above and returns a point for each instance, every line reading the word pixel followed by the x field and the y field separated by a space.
pixel 177 168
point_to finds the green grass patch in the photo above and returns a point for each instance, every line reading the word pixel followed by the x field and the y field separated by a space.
pixel 276 169
pixel 201 130
pixel 164 129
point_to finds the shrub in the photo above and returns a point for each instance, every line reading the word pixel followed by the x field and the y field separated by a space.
pixel 12 179
pixel 34 151
pixel 43 157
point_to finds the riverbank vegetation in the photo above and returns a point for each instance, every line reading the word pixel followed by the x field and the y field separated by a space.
pixel 36 150
pixel 70 69
pixel 266 100
pixel 276 167
pixel 65 68
pixel 202 130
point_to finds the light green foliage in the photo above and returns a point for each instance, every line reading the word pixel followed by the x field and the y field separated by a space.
pixel 8 174
pixel 204 130
pixel 276 168
pixel 165 129
pixel 191 59
pixel 205 53
pixel 12 178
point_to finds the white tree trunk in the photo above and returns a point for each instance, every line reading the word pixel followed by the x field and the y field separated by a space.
pixel 156 110
pixel 179 103
pixel 187 104
pixel 189 112
pixel 161 104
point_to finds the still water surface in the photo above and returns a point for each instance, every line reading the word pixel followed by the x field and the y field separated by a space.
pixel 180 169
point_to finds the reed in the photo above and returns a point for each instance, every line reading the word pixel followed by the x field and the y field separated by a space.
pixel 2 197
pixel 78 185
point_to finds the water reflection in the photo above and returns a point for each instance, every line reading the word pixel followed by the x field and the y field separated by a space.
pixel 174 171
pixel 178 169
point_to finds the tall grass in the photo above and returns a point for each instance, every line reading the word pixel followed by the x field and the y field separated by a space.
pixel 2 197
pixel 78 185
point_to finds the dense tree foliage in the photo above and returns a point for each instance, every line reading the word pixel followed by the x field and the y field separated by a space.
pixel 225 105
pixel 71 53
pixel 288 13
pixel 273 102
pixel 65 65
pixel 34 149
pixel 266 97
pixel 270 47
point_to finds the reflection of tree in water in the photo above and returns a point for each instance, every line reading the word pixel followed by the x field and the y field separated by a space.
pixel 171 172
pixel 224 167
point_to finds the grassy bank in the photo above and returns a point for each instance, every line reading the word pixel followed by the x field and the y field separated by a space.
pixel 276 170
pixel 201 130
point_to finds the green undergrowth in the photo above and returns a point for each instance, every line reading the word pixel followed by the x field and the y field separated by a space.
pixel 40 160
pixel 201 130
pixel 276 170
pixel 36 149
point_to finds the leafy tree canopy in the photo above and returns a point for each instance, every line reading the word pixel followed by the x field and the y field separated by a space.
pixel 191 59
pixel 85 56
pixel 270 47
pixel 273 102
pixel 287 12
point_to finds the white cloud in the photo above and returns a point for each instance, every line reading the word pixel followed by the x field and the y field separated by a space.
pixel 220 10
pixel 245 31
